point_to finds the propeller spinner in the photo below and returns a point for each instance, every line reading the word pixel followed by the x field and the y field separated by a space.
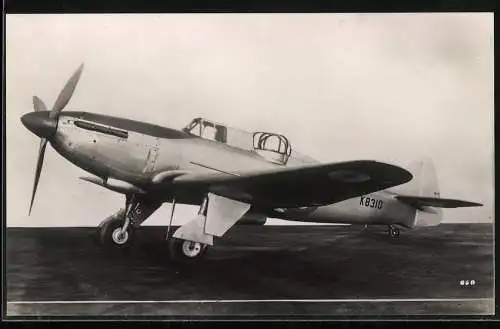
pixel 43 123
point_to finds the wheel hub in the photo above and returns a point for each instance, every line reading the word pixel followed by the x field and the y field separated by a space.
pixel 191 249
pixel 394 231
pixel 119 237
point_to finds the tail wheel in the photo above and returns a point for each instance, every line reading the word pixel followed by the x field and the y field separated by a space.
pixel 186 252
pixel 113 238
pixel 394 232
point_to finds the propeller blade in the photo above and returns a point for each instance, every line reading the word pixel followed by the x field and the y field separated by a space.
pixel 39 164
pixel 38 104
pixel 66 93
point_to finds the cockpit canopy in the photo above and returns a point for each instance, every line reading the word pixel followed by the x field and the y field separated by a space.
pixel 207 129
pixel 274 147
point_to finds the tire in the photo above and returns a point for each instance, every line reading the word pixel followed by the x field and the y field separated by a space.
pixel 186 252
pixel 394 232
pixel 110 238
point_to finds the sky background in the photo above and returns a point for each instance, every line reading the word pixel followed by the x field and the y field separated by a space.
pixel 388 87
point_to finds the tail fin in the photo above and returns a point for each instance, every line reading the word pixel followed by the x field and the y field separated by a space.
pixel 424 184
pixel 422 192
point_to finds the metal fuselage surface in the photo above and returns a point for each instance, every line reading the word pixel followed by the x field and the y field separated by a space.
pixel 133 151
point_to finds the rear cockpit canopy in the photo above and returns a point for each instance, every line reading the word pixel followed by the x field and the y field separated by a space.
pixel 273 147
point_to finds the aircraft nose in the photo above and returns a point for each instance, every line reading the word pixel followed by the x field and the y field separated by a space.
pixel 40 124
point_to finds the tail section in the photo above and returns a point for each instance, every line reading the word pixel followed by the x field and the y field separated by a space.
pixel 425 185
pixel 422 193
pixel 424 182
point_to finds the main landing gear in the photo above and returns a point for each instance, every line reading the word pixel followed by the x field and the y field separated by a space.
pixel 118 231
pixel 185 251
pixel 393 231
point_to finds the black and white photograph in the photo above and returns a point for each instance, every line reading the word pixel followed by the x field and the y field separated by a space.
pixel 204 165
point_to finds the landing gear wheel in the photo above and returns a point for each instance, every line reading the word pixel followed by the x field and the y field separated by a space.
pixel 186 252
pixel 394 232
pixel 113 239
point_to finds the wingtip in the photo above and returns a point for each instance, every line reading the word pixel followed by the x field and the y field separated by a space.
pixel 404 174
pixel 409 175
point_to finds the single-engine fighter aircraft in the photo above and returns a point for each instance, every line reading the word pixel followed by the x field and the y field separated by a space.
pixel 233 175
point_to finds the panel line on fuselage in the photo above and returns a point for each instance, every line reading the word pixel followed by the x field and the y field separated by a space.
pixel 211 168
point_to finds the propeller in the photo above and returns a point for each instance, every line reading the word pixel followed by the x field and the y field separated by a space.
pixel 38 104
pixel 39 164
pixel 66 93
pixel 45 125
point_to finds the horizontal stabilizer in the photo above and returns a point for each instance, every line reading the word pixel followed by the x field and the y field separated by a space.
pixel 419 202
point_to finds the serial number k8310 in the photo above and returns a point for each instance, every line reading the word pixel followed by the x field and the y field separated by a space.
pixel 371 202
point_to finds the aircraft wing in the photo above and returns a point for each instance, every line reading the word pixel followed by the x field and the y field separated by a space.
pixel 419 202
pixel 310 185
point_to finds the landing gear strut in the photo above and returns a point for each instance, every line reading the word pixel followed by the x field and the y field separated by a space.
pixel 118 233
pixel 184 251
pixel 393 231
pixel 113 237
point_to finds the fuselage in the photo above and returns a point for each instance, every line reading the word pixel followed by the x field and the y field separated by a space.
pixel 133 151
pixel 378 208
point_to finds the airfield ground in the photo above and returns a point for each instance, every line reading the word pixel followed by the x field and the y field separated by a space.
pixel 359 273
